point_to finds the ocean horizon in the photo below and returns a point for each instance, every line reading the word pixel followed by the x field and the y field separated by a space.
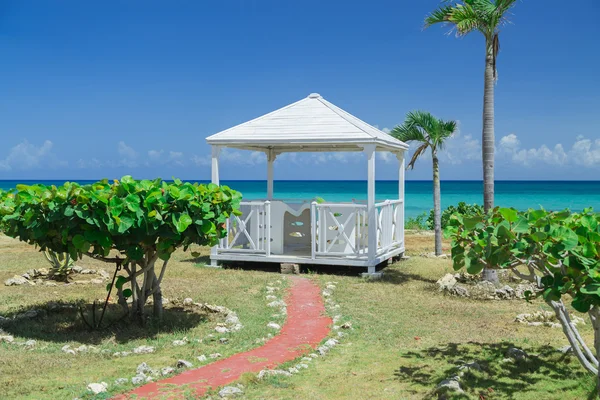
pixel 552 195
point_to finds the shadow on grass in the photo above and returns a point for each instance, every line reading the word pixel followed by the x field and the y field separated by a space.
pixel 62 322
pixel 545 367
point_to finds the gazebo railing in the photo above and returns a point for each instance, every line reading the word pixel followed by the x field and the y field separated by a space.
pixel 250 232
pixel 338 230
pixel 390 225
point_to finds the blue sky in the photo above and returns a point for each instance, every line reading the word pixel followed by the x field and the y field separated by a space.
pixel 102 89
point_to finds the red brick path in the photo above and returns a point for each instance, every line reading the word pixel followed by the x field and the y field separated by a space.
pixel 306 326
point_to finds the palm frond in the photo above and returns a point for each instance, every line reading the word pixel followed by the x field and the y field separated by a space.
pixel 504 5
pixel 416 154
pixel 439 16
pixel 467 19
pixel 407 133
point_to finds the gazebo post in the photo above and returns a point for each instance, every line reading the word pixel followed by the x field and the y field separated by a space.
pixel 369 151
pixel 216 150
pixel 401 171
pixel 270 159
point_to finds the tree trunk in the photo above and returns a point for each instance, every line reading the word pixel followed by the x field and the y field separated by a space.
pixel 487 136
pixel 487 145
pixel 437 207
pixel 157 298
pixel 595 317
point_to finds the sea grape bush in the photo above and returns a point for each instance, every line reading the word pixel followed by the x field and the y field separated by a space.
pixel 461 208
pixel 136 221
pixel 558 251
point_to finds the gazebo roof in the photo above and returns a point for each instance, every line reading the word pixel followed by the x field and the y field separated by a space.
pixel 311 124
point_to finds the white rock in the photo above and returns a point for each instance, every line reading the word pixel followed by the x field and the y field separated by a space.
pixel 313 355
pixel 449 385
pixel 223 340
pixel 180 342
pixel 201 358
pixel 301 366
pixel 184 364
pixel 139 379
pixel 8 339
pixel 143 369
pixel 516 354
pixel 232 319
pixel 188 301
pixel 16 281
pixel 322 350
pixel 30 343
pixel 167 371
pixel 330 343
pixel 143 350
pixel 330 286
pixel 270 372
pixel 271 297
pixel 273 325
pixel 121 381
pixel 307 359
pixel 236 327
pixel 277 303
pixel 293 370
pixel 97 388
pixel 222 329
pixel 215 355
pixel 446 282
pixel 230 391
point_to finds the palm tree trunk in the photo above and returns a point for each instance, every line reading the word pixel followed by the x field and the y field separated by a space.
pixel 437 207
pixel 487 137
pixel 487 144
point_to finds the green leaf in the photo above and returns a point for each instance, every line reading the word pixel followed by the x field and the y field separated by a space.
pixel 78 241
pixel 127 293
pixel 569 239
pixel 521 226
pixel 509 214
pixel 135 252
pixel 182 223
pixel 581 303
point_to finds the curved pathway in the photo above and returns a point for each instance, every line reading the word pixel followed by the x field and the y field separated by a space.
pixel 306 326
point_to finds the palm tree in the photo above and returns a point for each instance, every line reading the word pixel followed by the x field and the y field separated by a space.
pixel 431 132
pixel 485 16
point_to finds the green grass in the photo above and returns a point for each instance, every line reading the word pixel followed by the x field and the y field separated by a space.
pixel 405 337
pixel 45 372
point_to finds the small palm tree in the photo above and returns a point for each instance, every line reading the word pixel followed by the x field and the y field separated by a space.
pixel 485 16
pixel 431 132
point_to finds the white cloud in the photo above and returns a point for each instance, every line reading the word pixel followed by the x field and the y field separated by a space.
pixel 459 148
pixel 93 163
pixel 128 155
pixel 584 152
pixel 26 156
pixel 160 157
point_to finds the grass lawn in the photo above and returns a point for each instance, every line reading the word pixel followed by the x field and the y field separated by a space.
pixel 405 336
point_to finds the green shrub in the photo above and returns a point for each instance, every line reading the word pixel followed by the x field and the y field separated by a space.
pixel 418 223
pixel 557 251
pixel 461 208
pixel 142 221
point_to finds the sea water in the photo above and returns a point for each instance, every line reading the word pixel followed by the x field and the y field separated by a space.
pixel 552 195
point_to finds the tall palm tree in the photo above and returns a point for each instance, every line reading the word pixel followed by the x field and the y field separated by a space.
pixel 485 16
pixel 431 133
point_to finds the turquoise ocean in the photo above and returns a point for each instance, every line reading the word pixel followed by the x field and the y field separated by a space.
pixel 552 195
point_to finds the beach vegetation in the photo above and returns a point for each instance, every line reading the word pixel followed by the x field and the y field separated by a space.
pixel 486 17
pixel 431 134
pixel 557 251
pixel 134 224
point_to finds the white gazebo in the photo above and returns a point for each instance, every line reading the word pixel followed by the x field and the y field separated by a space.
pixel 307 231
